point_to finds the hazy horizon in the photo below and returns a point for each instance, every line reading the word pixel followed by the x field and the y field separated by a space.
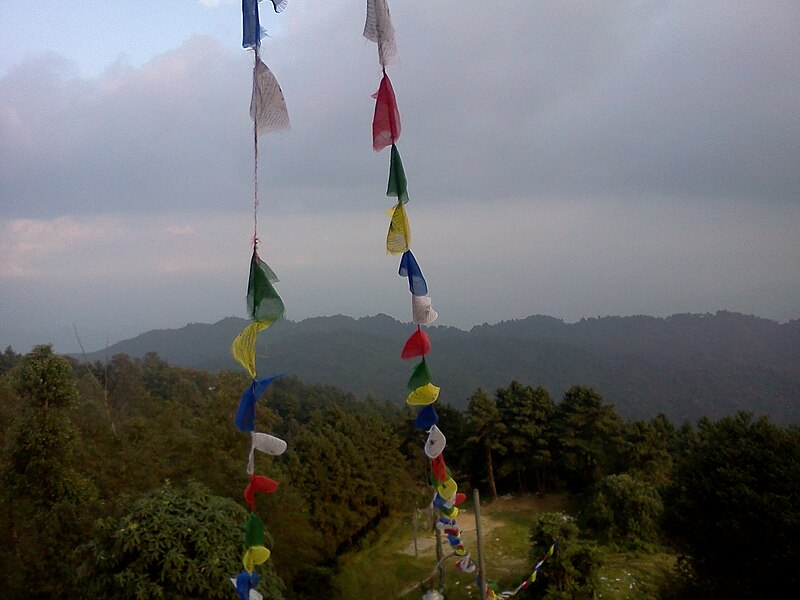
pixel 66 348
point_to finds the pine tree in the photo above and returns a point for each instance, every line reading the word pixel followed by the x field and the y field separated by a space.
pixel 526 413
pixel 589 438
pixel 485 432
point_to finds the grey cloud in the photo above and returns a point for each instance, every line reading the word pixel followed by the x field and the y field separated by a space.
pixel 570 159
pixel 527 99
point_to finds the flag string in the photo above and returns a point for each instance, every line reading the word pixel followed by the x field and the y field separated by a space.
pixel 386 130
pixel 264 307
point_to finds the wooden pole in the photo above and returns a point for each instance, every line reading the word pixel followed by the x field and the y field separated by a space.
pixel 414 521
pixel 439 560
pixel 476 501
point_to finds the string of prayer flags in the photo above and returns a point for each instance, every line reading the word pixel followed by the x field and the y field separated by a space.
pixel 264 307
pixel 493 591
pixel 386 130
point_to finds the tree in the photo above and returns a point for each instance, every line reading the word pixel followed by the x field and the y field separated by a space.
pixel 126 391
pixel 8 359
pixel 42 493
pixel 648 449
pixel 526 413
pixel 734 508
pixel 174 542
pixel 589 438
pixel 625 508
pixel 485 432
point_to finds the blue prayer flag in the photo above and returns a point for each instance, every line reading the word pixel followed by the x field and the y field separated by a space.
pixel 409 268
pixel 246 414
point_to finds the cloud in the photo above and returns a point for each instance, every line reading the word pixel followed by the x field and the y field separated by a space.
pixel 563 158
pixel 34 248
pixel 181 230
pixel 532 100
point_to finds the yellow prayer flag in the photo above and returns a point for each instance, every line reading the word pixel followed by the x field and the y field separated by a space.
pixel 244 346
pixel 424 395
pixel 447 489
pixel 255 555
pixel 398 239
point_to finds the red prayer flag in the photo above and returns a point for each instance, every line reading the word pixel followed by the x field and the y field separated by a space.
pixel 386 122
pixel 419 344
pixel 258 483
pixel 439 468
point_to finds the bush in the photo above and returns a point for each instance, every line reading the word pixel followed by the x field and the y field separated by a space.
pixel 625 509
pixel 571 570
pixel 173 543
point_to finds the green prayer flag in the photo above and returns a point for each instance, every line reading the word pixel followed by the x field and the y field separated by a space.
pixel 398 185
pixel 420 376
pixel 263 302
pixel 254 531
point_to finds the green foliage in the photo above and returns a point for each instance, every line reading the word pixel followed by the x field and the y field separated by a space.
pixel 175 542
pixel 357 475
pixel 485 434
pixel 8 359
pixel 734 508
pixel 44 379
pixel 589 438
pixel 350 465
pixel 571 572
pixel 648 449
pixel 46 503
pixel 625 509
pixel 526 413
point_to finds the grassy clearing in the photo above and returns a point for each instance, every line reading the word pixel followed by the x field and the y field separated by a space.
pixel 387 567
pixel 634 576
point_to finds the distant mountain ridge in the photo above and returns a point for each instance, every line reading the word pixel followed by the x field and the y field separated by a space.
pixel 686 365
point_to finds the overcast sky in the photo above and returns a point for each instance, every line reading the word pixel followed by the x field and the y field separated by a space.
pixel 573 159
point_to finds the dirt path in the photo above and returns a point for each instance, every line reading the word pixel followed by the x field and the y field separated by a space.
pixel 426 538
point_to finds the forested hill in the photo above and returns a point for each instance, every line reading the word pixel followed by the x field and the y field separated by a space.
pixel 686 366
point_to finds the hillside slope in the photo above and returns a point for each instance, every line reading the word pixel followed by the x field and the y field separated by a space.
pixel 686 366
